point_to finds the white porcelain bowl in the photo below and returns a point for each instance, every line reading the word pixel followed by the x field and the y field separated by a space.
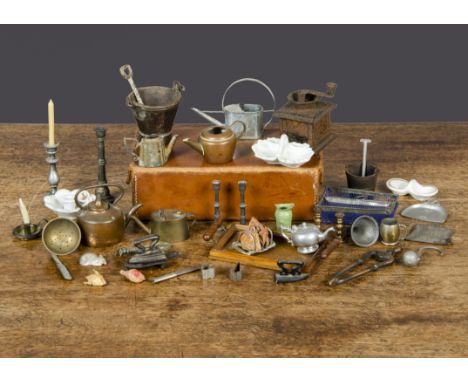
pixel 418 191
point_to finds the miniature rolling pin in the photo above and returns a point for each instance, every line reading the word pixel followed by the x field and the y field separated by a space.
pixel 322 253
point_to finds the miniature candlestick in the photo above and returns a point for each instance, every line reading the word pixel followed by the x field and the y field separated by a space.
pixel 339 225
pixel 102 178
pixel 53 177
pixel 317 218
pixel 216 186
pixel 242 187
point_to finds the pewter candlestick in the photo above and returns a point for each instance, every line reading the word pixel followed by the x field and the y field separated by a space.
pixel 53 177
pixel 216 185
pixel 102 179
pixel 242 186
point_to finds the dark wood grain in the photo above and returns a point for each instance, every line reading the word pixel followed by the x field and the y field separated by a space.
pixel 415 312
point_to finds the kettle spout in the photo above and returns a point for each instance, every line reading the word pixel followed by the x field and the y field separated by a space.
pixel 197 146
pixel 324 234
pixel 170 146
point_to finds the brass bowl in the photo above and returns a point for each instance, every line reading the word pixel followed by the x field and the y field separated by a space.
pixel 61 236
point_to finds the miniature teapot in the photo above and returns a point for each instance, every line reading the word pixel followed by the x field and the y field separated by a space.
pixel 305 236
pixel 150 151
pixel 217 143
pixel 103 223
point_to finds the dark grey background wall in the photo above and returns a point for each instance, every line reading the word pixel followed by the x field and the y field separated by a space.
pixel 384 73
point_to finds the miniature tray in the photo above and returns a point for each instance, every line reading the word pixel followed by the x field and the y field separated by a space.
pixel 354 203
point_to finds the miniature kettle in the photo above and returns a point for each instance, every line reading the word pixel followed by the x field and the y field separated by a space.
pixel 305 236
pixel 150 151
pixel 217 143
pixel 103 223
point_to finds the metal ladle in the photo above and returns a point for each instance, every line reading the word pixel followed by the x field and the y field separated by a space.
pixel 127 73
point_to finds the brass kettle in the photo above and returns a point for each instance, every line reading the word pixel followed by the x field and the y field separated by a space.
pixel 103 223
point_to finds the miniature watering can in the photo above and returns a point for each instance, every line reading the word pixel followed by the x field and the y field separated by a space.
pixel 306 237
pixel 248 113
pixel 150 152
pixel 217 144
pixel 103 223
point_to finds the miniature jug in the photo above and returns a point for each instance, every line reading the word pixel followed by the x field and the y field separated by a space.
pixel 104 223
pixel 306 237
pixel 150 151
pixel 283 215
pixel 217 143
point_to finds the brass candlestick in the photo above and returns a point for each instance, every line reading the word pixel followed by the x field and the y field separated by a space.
pixel 53 177
pixel 317 218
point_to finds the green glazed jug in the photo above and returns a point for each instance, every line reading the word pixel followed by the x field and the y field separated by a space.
pixel 283 215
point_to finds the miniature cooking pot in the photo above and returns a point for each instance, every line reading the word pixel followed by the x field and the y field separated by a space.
pixel 305 236
pixel 217 143
pixel 171 225
pixel 104 223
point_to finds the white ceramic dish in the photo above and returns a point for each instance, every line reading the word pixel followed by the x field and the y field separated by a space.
pixel 62 203
pixel 281 151
pixel 418 191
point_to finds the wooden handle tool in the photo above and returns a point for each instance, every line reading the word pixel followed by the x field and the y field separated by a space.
pixel 323 252
pixel 212 230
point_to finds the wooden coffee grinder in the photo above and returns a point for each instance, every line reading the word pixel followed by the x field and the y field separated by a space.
pixel 306 117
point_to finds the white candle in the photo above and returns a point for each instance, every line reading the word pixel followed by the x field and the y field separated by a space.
pixel 51 124
pixel 24 212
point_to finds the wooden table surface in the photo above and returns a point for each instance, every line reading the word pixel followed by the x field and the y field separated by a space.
pixel 398 311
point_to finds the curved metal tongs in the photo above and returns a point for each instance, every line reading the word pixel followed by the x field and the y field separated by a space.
pixel 382 259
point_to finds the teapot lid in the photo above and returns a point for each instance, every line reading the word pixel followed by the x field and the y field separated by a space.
pixel 217 133
pixel 166 214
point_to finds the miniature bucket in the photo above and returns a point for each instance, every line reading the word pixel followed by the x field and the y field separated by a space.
pixel 355 180
pixel 157 113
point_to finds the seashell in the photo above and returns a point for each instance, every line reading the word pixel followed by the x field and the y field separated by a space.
pixel 95 279
pixel 281 151
pixel 91 259
pixel 133 275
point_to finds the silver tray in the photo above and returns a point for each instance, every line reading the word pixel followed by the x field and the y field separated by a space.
pixel 428 212
pixel 430 233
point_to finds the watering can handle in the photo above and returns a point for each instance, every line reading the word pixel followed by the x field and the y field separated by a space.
pixel 129 150
pixel 257 82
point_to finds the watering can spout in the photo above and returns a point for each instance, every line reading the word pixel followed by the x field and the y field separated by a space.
pixel 209 118
pixel 170 146
pixel 197 146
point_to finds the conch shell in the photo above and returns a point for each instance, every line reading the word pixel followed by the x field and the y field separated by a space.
pixel 95 279
pixel 133 275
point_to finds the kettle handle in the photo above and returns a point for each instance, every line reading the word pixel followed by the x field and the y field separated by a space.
pixel 116 200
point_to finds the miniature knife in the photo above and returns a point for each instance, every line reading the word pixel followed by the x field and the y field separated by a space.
pixel 176 273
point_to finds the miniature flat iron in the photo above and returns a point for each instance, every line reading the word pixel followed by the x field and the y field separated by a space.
pixel 290 272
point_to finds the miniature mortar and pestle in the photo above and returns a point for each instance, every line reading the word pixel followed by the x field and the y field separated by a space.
pixel 362 176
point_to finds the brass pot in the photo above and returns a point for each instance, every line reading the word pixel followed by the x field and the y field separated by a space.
pixel 171 225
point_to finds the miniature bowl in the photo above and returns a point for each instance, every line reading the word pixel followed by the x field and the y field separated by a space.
pixel 422 192
pixel 398 186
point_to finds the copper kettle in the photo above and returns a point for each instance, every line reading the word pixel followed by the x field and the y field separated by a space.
pixel 103 223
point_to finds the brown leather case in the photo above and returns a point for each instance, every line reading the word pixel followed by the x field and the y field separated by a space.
pixel 185 183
